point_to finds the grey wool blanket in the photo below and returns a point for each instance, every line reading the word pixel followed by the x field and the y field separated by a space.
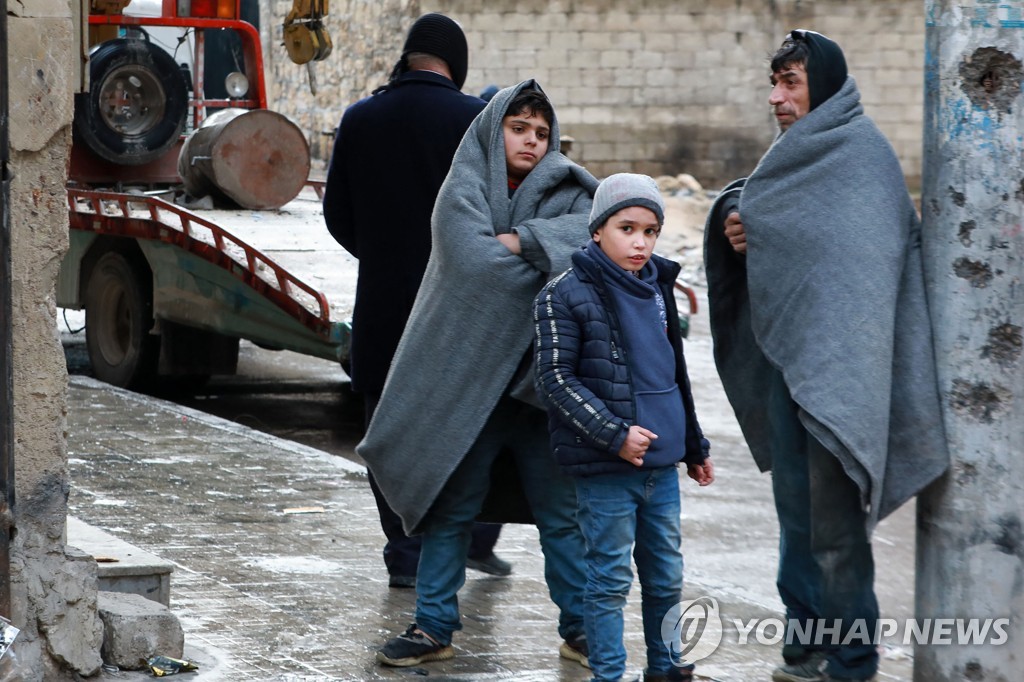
pixel 831 293
pixel 472 322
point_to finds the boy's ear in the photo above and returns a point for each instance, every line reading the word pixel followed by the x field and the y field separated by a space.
pixel 597 234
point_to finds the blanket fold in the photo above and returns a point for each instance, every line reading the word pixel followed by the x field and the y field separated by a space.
pixel 831 293
pixel 472 321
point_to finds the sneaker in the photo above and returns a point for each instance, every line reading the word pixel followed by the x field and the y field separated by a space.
pixel 412 648
pixel 576 649
pixel 490 564
pixel 830 678
pixel 810 669
pixel 402 581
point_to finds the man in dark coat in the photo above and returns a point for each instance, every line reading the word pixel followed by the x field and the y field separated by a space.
pixel 392 151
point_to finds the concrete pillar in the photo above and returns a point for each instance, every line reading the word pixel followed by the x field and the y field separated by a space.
pixel 970 556
pixel 53 588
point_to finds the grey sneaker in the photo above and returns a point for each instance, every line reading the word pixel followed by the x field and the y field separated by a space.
pixel 811 669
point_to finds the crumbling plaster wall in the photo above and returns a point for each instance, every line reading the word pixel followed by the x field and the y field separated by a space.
pixel 656 86
pixel 53 587
pixel 367 37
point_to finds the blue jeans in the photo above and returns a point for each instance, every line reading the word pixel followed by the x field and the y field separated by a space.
pixel 639 511
pixel 521 430
pixel 401 551
pixel 826 567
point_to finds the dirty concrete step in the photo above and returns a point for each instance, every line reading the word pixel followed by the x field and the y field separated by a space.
pixel 122 567
pixel 135 629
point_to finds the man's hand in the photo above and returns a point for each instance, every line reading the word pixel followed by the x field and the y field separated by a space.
pixel 735 233
pixel 704 473
pixel 637 441
pixel 511 242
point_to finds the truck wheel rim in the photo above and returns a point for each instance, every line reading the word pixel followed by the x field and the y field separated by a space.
pixel 131 101
pixel 115 325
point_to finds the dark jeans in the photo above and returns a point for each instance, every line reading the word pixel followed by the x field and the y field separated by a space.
pixel 826 568
pixel 401 551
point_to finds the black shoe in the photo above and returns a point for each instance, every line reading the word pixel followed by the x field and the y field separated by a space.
pixel 402 581
pixel 576 649
pixel 673 675
pixel 412 648
pixel 490 564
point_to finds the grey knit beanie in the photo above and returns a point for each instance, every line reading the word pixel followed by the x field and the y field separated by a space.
pixel 623 190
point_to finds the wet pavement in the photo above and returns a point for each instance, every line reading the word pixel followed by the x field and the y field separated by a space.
pixel 276 546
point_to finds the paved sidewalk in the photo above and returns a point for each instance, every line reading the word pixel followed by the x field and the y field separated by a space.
pixel 267 593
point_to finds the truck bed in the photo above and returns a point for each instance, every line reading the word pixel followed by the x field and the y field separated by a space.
pixel 293 289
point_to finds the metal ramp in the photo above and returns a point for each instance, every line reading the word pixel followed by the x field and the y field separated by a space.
pixel 208 278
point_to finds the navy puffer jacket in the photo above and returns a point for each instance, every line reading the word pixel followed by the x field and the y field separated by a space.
pixel 583 371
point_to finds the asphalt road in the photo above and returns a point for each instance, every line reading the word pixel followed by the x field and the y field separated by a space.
pixel 289 395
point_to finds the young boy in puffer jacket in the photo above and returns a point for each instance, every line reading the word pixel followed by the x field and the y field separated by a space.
pixel 611 373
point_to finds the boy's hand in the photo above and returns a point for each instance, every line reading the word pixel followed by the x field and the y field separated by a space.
pixel 637 441
pixel 511 242
pixel 704 473
pixel 735 233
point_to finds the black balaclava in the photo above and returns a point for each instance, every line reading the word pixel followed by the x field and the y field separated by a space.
pixel 440 36
pixel 826 65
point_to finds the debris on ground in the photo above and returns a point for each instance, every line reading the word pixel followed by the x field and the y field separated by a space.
pixel 162 666
pixel 682 237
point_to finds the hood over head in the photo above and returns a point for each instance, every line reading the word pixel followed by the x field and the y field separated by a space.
pixel 826 64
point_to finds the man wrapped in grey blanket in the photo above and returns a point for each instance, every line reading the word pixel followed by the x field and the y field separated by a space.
pixel 824 345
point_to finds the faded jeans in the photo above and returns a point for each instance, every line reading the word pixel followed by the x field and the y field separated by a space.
pixel 636 510
pixel 401 551
pixel 520 429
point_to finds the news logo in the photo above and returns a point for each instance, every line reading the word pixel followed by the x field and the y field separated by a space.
pixel 692 630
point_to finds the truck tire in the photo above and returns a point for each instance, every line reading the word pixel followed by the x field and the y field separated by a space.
pixel 136 105
pixel 118 319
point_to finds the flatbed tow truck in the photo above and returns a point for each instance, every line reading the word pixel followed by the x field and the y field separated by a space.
pixel 169 292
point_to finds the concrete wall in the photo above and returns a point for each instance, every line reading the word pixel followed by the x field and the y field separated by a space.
pixel 658 86
pixel 53 587
pixel 367 36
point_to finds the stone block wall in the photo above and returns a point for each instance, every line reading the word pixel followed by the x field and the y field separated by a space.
pixel 655 86
pixel 367 37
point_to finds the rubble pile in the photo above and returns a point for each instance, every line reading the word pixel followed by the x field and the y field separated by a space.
pixel 682 239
